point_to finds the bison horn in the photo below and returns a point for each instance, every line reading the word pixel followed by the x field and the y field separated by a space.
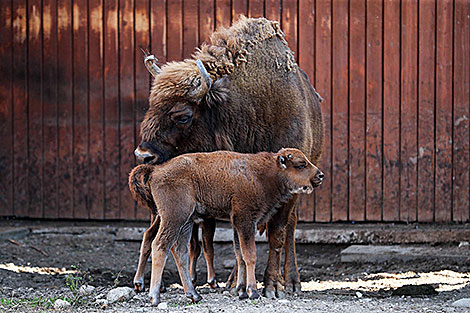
pixel 204 74
pixel 150 62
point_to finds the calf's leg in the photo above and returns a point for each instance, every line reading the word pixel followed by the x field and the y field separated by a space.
pixel 241 273
pixel 208 230
pixel 145 248
pixel 246 234
pixel 180 253
pixel 194 252
pixel 291 272
pixel 276 230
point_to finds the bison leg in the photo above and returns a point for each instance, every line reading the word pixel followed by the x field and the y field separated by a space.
pixel 194 252
pixel 246 234
pixel 208 230
pixel 145 248
pixel 291 272
pixel 241 275
pixel 273 286
pixel 232 278
pixel 180 253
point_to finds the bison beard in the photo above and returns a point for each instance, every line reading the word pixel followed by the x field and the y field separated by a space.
pixel 259 100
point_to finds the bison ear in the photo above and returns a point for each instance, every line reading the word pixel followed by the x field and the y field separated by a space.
pixel 282 162
pixel 218 92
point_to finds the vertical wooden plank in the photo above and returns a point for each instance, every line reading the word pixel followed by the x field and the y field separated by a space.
pixel 96 155
pixel 206 20
pixel 273 10
pixel 111 111
pixel 80 108
pixel 289 24
pixel 306 38
pixel 374 111
pixel 50 88
pixel 322 83
pixel 223 12
pixel 340 174
pixel 306 62
pixel 65 107
pixel 443 175
pixel 143 22
pixel 6 110
pixel 239 8
pixel 409 111
pixel 35 81
pixel 190 28
pixel 126 102
pixel 158 30
pixel 391 111
pixel 175 30
pixel 426 61
pixel 255 8
pixel 357 30
pixel 20 110
pixel 461 89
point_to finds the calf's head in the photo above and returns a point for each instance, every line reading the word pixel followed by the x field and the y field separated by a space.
pixel 182 116
pixel 298 173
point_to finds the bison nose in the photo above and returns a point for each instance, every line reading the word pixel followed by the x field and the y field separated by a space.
pixel 144 156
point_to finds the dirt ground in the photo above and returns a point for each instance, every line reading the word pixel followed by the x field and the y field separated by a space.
pixel 49 264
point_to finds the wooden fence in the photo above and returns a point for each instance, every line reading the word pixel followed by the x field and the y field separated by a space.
pixel 394 75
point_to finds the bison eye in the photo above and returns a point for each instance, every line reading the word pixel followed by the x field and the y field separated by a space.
pixel 184 120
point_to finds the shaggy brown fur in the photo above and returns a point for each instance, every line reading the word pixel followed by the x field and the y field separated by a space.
pixel 245 189
pixel 260 101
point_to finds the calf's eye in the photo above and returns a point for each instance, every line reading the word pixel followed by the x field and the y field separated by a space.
pixel 301 166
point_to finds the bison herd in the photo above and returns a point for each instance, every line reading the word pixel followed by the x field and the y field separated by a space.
pixel 244 94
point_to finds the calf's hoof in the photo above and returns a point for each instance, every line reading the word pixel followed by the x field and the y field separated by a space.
pixel 213 284
pixel 194 296
pixel 154 299
pixel 139 285
pixel 162 288
pixel 293 287
pixel 242 295
pixel 253 294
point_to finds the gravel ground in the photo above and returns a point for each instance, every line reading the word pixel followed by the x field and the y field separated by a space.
pixel 44 266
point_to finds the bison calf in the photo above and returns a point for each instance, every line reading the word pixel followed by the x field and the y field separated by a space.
pixel 246 189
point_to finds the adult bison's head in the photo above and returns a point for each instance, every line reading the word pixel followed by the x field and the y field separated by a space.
pixel 183 113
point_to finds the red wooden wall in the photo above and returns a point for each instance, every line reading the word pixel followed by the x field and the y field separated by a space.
pixel 394 75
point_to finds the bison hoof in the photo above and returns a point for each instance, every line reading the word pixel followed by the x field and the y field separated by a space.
pixel 254 294
pixel 154 299
pixel 139 284
pixel 194 296
pixel 270 294
pixel 213 284
pixel 293 287
pixel 242 295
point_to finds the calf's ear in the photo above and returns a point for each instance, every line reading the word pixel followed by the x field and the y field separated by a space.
pixel 282 162
pixel 218 92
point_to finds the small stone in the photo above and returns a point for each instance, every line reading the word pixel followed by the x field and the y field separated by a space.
pixel 60 304
pixel 86 290
pixel 463 303
pixel 464 244
pixel 358 294
pixel 162 306
pixel 102 303
pixel 283 301
pixel 120 294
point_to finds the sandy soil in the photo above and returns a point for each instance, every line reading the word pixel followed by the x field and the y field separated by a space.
pixel 33 273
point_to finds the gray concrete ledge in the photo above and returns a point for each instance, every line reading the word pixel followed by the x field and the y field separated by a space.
pixel 305 233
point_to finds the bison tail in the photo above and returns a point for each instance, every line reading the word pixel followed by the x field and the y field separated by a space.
pixel 140 186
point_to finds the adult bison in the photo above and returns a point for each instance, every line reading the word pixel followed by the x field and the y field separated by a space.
pixel 243 92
